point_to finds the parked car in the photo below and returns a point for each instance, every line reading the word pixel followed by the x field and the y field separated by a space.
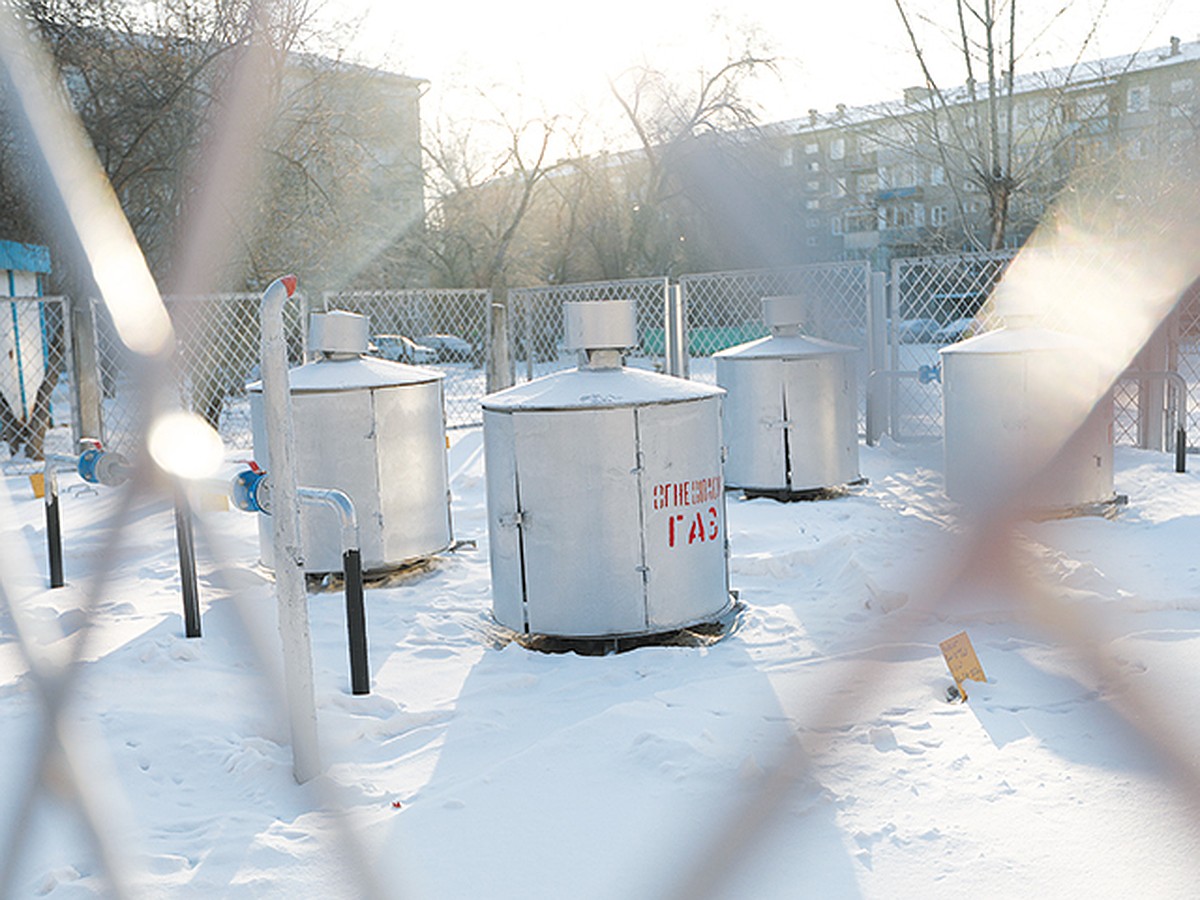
pixel 916 331
pixel 450 347
pixel 958 330
pixel 399 348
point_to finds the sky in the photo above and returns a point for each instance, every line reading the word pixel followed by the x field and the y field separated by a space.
pixel 547 57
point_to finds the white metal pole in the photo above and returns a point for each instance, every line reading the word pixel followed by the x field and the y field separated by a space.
pixel 285 518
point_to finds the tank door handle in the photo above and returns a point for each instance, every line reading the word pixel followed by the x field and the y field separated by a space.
pixel 778 423
pixel 513 520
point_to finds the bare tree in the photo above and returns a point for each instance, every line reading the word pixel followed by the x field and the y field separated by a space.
pixel 1000 134
pixel 674 125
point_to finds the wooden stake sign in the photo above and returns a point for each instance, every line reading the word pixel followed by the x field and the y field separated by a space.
pixel 960 657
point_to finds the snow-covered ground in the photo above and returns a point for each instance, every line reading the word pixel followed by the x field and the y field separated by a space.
pixel 811 752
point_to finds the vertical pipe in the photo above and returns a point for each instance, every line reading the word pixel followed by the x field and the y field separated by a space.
pixel 1180 450
pixel 86 393
pixel 53 526
pixel 185 541
pixel 290 589
pixel 356 622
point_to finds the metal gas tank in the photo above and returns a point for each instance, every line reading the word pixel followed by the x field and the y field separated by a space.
pixel 374 429
pixel 1011 400
pixel 606 512
pixel 791 414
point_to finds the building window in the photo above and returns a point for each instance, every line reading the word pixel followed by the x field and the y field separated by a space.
pixel 839 187
pixel 813 222
pixel 836 225
pixel 837 148
pixel 810 149
pixel 812 204
pixel 814 166
pixel 937 216
pixel 1182 86
pixel 1138 99
pixel 813 185
pixel 937 175
pixel 788 157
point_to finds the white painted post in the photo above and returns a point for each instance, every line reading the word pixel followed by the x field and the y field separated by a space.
pixel 290 590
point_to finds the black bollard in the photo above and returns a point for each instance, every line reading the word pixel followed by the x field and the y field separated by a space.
pixel 53 528
pixel 185 540
pixel 1180 450
pixel 356 622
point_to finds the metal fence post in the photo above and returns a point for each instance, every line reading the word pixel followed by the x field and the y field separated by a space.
pixel 499 359
pixel 892 307
pixel 675 329
pixel 877 407
pixel 87 419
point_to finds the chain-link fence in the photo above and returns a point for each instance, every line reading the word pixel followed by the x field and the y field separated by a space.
pixel 535 322
pixel 35 379
pixel 934 301
pixel 1184 355
pixel 217 344
pixel 724 309
pixel 445 329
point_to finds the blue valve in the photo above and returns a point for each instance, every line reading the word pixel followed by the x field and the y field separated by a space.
pixel 929 374
pixel 99 466
pixel 251 490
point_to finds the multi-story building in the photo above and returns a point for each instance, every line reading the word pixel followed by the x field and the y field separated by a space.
pixel 921 173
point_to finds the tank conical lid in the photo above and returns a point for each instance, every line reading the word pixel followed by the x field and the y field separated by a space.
pixel 354 374
pixel 1010 340
pixel 789 346
pixel 598 389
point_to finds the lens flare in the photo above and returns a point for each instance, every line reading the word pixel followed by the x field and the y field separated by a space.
pixel 184 445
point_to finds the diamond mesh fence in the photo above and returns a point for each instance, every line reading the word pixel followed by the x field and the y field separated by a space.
pixel 217 344
pixel 1184 356
pixel 444 329
pixel 935 301
pixel 724 309
pixel 535 323
pixel 35 380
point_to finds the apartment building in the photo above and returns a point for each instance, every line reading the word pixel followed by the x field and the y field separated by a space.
pixel 915 175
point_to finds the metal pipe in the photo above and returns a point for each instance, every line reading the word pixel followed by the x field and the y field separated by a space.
pixel 290 588
pixel 356 613
pixel 103 468
pixel 53 525
pixel 185 541
pixel 1177 381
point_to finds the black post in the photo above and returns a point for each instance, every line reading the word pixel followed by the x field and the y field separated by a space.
pixel 356 622
pixel 1180 450
pixel 185 540
pixel 53 529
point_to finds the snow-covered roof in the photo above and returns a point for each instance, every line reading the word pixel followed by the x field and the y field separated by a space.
pixel 1086 73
